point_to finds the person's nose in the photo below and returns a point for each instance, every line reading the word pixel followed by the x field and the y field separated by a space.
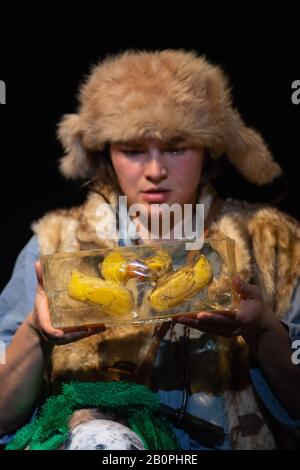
pixel 155 168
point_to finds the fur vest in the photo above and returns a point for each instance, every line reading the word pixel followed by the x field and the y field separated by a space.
pixel 267 253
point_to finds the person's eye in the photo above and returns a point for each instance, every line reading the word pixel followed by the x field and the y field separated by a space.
pixel 133 152
pixel 175 150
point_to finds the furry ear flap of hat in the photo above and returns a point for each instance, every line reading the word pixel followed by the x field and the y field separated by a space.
pixel 161 94
pixel 248 152
pixel 74 164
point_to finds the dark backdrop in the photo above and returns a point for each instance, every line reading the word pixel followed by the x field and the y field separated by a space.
pixel 43 65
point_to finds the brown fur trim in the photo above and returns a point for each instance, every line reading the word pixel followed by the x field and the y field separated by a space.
pixel 56 231
pixel 87 232
pixel 161 94
pixel 232 227
pixel 272 240
pixel 276 246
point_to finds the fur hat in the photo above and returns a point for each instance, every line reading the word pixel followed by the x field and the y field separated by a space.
pixel 162 94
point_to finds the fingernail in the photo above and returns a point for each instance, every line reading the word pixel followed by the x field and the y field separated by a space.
pixel 58 334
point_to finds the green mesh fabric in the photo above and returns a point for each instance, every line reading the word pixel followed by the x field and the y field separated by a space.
pixel 135 403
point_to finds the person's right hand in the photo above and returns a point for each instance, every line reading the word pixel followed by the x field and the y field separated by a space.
pixel 40 318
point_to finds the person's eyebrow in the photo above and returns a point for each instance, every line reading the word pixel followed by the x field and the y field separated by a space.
pixel 131 144
pixel 175 141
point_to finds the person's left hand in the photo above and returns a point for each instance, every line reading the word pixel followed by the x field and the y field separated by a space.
pixel 250 320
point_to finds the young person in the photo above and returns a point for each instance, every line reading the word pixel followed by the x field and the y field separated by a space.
pixel 149 125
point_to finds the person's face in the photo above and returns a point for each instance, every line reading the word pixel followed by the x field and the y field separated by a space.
pixel 154 172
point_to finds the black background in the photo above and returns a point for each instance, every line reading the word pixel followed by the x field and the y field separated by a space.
pixel 46 51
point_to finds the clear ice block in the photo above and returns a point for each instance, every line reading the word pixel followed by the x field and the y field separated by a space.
pixel 139 284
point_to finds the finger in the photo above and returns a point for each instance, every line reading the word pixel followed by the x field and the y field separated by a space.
pixel 213 330
pixel 43 316
pixel 215 319
pixel 74 336
pixel 193 323
pixel 229 314
pixel 70 337
pixel 38 271
pixel 42 308
pixel 88 329
pixel 248 291
pixel 210 320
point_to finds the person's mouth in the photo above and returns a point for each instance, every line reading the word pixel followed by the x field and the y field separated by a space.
pixel 156 194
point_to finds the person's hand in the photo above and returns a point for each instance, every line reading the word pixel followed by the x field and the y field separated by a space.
pixel 40 320
pixel 251 319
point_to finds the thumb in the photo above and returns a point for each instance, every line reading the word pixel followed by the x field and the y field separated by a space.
pixel 38 271
pixel 247 291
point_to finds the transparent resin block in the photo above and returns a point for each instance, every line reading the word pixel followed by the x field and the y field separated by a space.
pixel 139 284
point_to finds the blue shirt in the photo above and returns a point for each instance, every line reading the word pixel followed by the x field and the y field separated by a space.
pixel 17 300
